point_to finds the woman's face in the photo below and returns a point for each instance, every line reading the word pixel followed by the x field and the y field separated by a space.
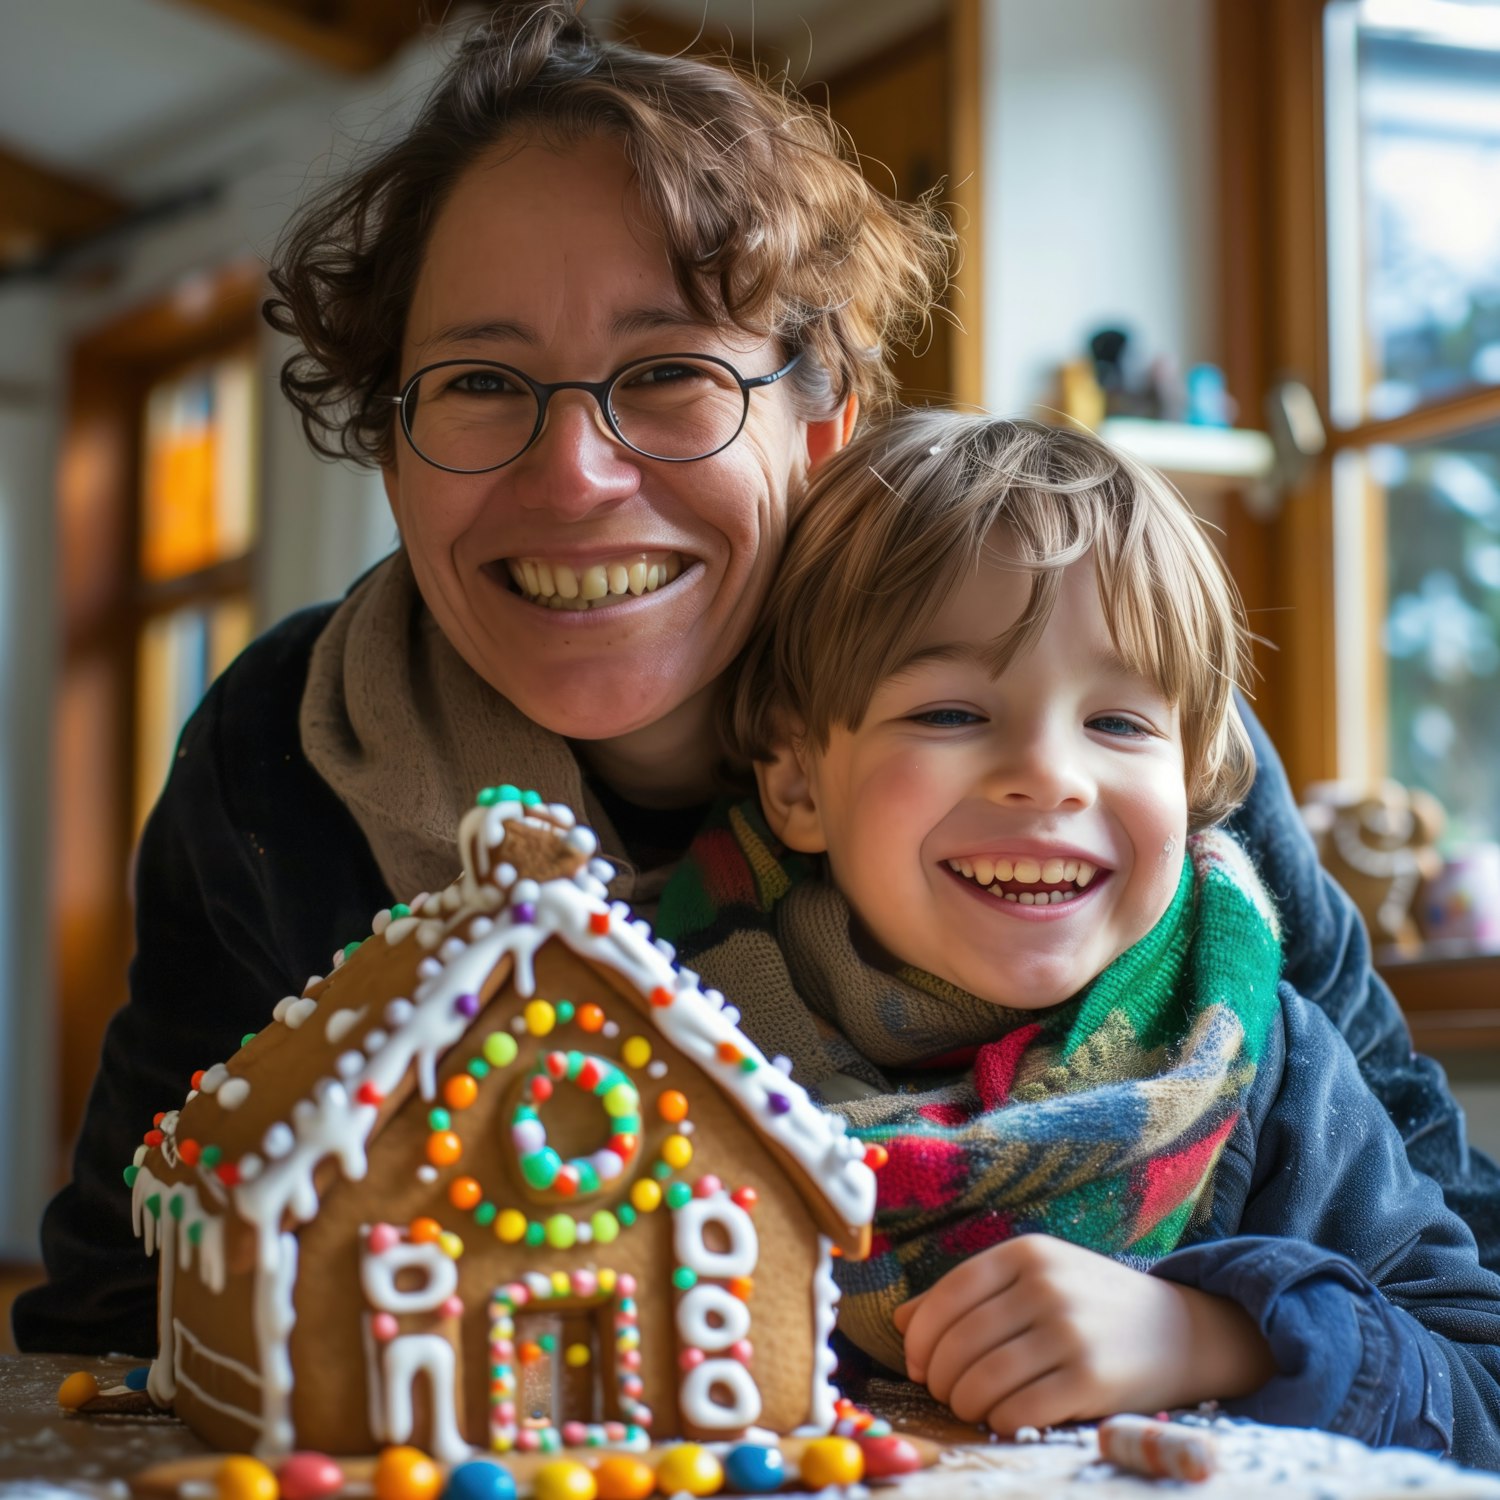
pixel 545 260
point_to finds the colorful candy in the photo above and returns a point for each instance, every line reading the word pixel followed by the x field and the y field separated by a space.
pixel 308 1476
pixel 887 1456
pixel 689 1469
pixel 244 1478
pixel 562 1479
pixel 832 1460
pixel 754 1469
pixel 406 1474
pixel 624 1477
pixel 78 1389
pixel 1159 1450
pixel 480 1480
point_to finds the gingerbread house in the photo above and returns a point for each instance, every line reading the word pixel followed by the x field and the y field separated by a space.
pixel 507 1178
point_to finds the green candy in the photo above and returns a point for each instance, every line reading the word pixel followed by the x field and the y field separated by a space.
pixel 478 1068
pixel 606 1227
pixel 531 799
pixel 626 1215
pixel 488 796
pixel 684 1279
pixel 678 1194
pixel 400 909
pixel 484 1215
pixel 195 1231
pixel 153 1205
pixel 540 1169
pixel 564 1012
pixel 660 1171
pixel 535 1234
pixel 562 1234
pixel 211 1156
pixel 131 1173
pixel 621 1102
pixel 248 1037
pixel 588 1177
pixel 175 1205
pixel 350 949
pixel 439 1119
pixel 505 792
pixel 500 1049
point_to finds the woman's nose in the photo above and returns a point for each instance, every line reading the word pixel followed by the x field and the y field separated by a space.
pixel 576 465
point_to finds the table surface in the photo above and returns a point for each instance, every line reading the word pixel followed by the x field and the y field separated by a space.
pixel 47 1452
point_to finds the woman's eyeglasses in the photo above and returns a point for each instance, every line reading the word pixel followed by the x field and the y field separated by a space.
pixel 469 416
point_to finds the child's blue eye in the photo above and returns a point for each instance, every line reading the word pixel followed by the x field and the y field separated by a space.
pixel 947 718
pixel 1117 726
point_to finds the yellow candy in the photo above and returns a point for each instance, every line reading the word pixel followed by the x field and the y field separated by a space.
pixel 646 1195
pixel 540 1017
pixel 606 1280
pixel 677 1151
pixel 406 1474
pixel 244 1478
pixel 636 1052
pixel 689 1469
pixel 832 1460
pixel 622 1477
pixel 561 1286
pixel 511 1225
pixel 562 1479
pixel 577 1355
pixel 450 1244
pixel 78 1388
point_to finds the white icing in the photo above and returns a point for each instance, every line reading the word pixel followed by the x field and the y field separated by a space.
pixel 697 1396
pixel 378 1272
pixel 278 1140
pixel 402 1360
pixel 212 1078
pixel 825 1291
pixel 279 1010
pixel 233 1092
pixel 340 1023
pixel 398 1012
pixel 347 1064
pixel 298 1013
pixel 250 1165
pixel 693 1251
pixel 711 1318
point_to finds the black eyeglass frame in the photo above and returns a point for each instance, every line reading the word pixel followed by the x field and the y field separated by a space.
pixel 598 389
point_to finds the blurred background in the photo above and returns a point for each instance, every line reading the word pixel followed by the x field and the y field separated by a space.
pixel 1258 243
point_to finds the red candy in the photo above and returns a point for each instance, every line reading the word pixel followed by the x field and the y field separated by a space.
pixel 308 1476
pixel 189 1151
pixel 876 1156
pixel 745 1198
pixel 154 1138
pixel 541 1088
pixel 888 1456
pixel 369 1094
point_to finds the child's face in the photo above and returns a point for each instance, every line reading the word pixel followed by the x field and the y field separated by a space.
pixel 960 791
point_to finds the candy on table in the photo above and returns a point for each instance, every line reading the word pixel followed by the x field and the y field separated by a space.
pixel 622 1476
pixel 1159 1450
pixel 135 1380
pixel 888 1455
pixel 77 1390
pixel 689 1469
pixel 754 1469
pixel 241 1477
pixel 406 1474
pixel 309 1476
pixel 832 1460
pixel 480 1479
pixel 562 1479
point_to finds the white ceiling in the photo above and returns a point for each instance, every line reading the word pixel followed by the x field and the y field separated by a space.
pixel 101 88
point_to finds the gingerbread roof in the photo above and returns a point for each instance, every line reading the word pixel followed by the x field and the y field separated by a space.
pixel 269 1164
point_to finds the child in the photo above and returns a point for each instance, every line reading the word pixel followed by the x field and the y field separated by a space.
pixel 983 909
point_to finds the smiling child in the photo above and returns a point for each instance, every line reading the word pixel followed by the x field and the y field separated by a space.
pixel 983 909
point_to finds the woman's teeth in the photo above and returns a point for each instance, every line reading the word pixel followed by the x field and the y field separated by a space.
pixel 1053 874
pixel 562 586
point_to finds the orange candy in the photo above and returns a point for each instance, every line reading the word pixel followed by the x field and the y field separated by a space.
pixel 407 1474
pixel 77 1389
pixel 741 1287
pixel 622 1477
pixel 444 1148
pixel 590 1018
pixel 465 1193
pixel 729 1053
pixel 460 1091
pixel 424 1231
pixel 672 1106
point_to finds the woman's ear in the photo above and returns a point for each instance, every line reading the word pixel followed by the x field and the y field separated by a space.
pixel 826 437
pixel 788 799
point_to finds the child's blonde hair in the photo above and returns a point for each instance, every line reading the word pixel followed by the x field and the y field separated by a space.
pixel 890 525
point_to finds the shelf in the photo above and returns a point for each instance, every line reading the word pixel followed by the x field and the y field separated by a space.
pixel 1450 993
pixel 1190 454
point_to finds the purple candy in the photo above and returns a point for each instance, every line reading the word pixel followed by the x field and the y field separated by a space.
pixel 779 1103
pixel 523 911
pixel 467 1005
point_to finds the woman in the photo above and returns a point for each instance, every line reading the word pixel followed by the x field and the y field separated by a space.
pixel 596 318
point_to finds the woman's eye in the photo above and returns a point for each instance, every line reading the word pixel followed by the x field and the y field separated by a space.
pixel 947 718
pixel 482 383
pixel 665 374
pixel 1123 728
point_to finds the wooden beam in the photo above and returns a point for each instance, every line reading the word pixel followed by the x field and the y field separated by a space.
pixel 353 36
pixel 40 207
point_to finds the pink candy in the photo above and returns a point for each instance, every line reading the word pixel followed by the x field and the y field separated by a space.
pixel 382 1237
pixel 384 1327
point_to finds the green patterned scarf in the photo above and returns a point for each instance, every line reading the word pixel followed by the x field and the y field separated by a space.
pixel 1099 1120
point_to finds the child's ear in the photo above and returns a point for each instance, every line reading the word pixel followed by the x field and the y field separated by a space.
pixel 788 800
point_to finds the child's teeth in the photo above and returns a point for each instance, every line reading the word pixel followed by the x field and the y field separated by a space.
pixel 1070 869
pixel 1004 870
pixel 1086 872
pixel 1028 871
pixel 984 871
pixel 1052 871
pixel 1026 899
pixel 966 867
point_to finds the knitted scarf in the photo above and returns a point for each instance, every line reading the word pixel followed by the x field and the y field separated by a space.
pixel 1099 1120
pixel 405 731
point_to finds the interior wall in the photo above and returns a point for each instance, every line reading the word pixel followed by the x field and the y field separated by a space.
pixel 1098 184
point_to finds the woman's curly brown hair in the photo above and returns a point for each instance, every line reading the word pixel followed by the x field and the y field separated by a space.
pixel 768 221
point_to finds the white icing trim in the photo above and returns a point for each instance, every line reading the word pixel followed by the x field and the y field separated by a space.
pixel 695 1396
pixel 706 1301
pixel 825 1289
pixel 692 1249
pixel 402 1360
pixel 378 1271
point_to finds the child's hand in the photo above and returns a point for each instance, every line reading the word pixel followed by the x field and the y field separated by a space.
pixel 1036 1331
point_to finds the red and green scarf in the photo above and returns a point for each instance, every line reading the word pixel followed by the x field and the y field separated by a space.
pixel 1099 1120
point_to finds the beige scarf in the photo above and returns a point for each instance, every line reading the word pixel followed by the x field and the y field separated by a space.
pixel 406 733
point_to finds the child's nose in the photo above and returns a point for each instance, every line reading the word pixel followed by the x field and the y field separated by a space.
pixel 1041 771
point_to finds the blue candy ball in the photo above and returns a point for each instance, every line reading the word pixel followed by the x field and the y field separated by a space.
pixel 480 1480
pixel 136 1379
pixel 754 1470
